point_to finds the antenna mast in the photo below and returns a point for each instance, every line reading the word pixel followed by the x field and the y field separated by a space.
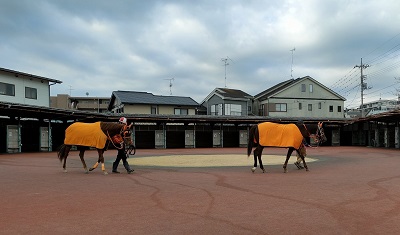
pixel 291 68
pixel 225 60
pixel 170 84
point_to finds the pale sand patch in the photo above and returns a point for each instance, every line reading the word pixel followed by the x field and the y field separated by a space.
pixel 210 160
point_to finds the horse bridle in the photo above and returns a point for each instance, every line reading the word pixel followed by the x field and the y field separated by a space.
pixel 124 133
pixel 318 135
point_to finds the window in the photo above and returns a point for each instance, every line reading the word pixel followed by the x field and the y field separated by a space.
pixel 216 109
pixel 233 109
pixel 303 87
pixel 300 106
pixel 262 110
pixel 330 108
pixel 311 88
pixel 309 107
pixel 7 89
pixel 280 107
pixel 319 105
pixel 153 109
pixel 339 109
pixel 31 93
pixel 181 112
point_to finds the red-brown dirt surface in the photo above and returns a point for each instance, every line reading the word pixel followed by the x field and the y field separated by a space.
pixel 348 190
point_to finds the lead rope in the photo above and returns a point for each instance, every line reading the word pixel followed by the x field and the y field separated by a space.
pixel 309 135
pixel 108 134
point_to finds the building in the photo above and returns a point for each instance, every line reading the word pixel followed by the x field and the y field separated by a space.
pixel 301 97
pixel 380 106
pixel 228 102
pixel 90 104
pixel 133 102
pixel 24 88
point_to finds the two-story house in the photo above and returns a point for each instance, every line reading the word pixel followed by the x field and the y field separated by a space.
pixel 83 103
pixel 301 97
pixel 133 102
pixel 24 88
pixel 228 102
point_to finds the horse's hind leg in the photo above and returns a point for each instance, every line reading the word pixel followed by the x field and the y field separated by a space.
pixel 257 155
pixel 255 162
pixel 259 159
pixel 66 152
pixel 82 155
pixel 289 153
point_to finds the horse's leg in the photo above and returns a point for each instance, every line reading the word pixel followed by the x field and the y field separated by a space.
pixel 259 158
pixel 289 153
pixel 298 160
pixel 66 152
pixel 101 158
pixel 82 155
pixel 304 162
pixel 255 161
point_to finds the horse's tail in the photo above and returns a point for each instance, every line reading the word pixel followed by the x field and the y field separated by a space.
pixel 251 139
pixel 61 152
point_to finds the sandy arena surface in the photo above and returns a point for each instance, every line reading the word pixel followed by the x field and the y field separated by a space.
pixel 348 190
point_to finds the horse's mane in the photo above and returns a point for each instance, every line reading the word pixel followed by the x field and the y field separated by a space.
pixel 307 129
pixel 111 128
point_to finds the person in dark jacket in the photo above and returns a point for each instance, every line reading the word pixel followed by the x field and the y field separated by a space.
pixel 122 155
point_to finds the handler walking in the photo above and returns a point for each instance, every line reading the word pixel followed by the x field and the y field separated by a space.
pixel 122 154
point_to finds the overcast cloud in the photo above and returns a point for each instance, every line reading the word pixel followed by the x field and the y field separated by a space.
pixel 100 46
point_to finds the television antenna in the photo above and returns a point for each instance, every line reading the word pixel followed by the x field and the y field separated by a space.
pixel 291 68
pixel 225 60
pixel 170 84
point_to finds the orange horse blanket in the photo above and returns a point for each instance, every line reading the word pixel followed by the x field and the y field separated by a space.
pixel 85 134
pixel 279 135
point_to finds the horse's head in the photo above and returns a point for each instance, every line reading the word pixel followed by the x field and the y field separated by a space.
pixel 126 133
pixel 319 136
pixel 122 136
pixel 316 132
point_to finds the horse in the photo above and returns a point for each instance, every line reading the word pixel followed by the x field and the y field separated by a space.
pixel 291 136
pixel 98 135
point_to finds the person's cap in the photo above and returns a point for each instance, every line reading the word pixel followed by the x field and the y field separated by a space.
pixel 122 120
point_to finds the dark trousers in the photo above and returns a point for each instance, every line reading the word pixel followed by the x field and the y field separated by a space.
pixel 121 156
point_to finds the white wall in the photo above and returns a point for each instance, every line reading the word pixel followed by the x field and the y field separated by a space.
pixel 20 82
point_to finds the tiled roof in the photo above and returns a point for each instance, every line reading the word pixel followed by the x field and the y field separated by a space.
pixel 275 88
pixel 232 93
pixel 134 97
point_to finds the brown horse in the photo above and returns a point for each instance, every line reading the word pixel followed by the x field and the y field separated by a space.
pixel 289 136
pixel 98 135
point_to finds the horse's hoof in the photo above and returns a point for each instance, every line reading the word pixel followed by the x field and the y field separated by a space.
pixel 263 170
pixel 65 170
pixel 253 169
pixel 307 169
pixel 105 173
pixel 284 171
pixel 86 172
pixel 91 169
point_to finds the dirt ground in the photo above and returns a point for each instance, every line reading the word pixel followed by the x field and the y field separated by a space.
pixel 348 190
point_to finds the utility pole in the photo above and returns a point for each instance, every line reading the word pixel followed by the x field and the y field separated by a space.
pixel 363 84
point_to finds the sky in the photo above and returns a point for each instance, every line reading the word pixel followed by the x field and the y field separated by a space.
pixel 189 48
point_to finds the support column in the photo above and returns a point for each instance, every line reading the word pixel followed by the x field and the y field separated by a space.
pixel 386 137
pixel 377 141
